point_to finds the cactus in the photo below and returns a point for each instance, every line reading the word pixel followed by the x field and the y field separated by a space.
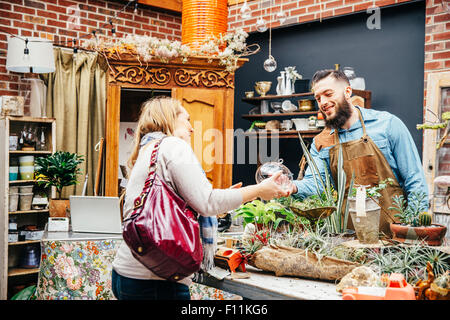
pixel 425 218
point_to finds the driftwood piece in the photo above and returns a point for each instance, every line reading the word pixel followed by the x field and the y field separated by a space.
pixel 298 262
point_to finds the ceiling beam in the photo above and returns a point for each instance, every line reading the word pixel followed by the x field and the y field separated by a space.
pixel 171 5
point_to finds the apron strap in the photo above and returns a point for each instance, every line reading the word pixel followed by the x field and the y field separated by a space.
pixel 336 131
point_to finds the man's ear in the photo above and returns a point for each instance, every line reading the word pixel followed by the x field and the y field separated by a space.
pixel 348 92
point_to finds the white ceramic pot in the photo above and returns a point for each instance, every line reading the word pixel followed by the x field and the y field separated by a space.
pixel 301 124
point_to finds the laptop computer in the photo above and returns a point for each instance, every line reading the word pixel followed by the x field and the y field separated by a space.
pixel 95 214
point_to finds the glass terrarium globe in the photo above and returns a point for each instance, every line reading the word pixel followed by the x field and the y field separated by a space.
pixel 269 168
pixel 270 64
pixel 261 25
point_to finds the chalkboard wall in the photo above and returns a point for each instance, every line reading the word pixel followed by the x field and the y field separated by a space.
pixel 391 59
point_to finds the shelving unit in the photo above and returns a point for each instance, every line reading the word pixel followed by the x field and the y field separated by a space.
pixel 11 273
pixel 293 134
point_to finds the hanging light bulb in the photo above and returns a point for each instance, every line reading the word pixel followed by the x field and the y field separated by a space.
pixel 26 52
pixel 245 11
pixel 270 64
pixel 135 7
pixel 281 16
pixel 113 30
pixel 75 50
pixel 261 25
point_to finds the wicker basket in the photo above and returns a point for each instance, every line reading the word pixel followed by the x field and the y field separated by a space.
pixel 202 19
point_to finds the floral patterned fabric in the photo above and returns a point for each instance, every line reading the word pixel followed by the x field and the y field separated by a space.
pixel 81 270
pixel 202 292
pixel 72 270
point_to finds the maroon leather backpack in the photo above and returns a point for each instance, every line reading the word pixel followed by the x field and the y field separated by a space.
pixel 162 232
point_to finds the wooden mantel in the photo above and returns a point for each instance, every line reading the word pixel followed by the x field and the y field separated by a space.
pixel 203 86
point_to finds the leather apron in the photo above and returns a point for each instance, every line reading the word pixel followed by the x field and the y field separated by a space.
pixel 365 159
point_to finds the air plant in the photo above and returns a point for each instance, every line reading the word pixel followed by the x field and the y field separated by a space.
pixel 410 261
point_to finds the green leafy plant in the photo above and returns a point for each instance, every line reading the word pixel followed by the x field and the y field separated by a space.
pixel 409 212
pixel 258 212
pixel 58 170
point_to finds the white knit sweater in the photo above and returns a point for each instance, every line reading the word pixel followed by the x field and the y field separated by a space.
pixel 178 166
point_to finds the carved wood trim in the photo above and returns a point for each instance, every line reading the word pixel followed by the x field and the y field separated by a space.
pixel 144 76
pixel 204 78
pixel 140 75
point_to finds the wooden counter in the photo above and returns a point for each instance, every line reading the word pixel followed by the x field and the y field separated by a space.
pixel 264 285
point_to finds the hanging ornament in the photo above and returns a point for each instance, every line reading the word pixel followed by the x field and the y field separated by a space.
pixel 245 11
pixel 270 64
pixel 261 25
pixel 281 16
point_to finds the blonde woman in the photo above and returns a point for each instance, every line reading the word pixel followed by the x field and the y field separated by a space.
pixel 178 166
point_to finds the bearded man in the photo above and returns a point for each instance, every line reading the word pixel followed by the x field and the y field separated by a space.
pixel 376 145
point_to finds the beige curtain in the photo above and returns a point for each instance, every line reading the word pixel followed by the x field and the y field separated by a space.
pixel 76 98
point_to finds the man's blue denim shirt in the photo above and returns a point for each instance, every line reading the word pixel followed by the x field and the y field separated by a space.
pixel 393 139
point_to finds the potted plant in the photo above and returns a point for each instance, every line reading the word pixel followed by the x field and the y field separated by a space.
pixel 367 224
pixel 58 170
pixel 415 221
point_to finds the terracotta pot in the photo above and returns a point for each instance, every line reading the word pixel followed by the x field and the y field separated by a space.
pixel 432 235
pixel 59 208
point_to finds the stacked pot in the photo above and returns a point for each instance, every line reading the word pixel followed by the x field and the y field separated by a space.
pixel 26 167
pixel 20 198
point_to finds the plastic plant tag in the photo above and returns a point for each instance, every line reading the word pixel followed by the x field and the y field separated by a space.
pixel 361 201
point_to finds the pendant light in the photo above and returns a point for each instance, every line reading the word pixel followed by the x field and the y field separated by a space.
pixel 270 64
pixel 245 11
pixel 281 16
pixel 261 25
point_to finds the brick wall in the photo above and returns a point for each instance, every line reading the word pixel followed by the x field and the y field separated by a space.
pixel 62 20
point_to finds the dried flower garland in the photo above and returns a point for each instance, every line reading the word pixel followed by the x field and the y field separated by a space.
pixel 228 48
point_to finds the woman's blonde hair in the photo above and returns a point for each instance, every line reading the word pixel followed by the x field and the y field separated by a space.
pixel 157 114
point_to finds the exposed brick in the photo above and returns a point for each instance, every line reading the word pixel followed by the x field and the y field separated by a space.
pixel 441 55
pixel 441 36
pixel 47 14
pixel 34 19
pixel 433 65
pixel 23 25
pixel 56 23
pixel 34 4
pixel 334 4
pixel 442 18
pixel 24 10
pixel 10 15
pixel 51 7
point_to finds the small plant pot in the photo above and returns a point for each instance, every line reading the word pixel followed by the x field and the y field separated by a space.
pixel 13 201
pixel 25 189
pixel 432 235
pixel 25 201
pixel 59 208
pixel 367 227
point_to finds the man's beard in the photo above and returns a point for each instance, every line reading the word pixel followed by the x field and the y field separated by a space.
pixel 343 113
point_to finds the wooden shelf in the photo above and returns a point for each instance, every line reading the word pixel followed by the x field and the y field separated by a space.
pixel 21 181
pixel 264 134
pixel 28 211
pixel 14 272
pixel 35 152
pixel 21 243
pixel 30 119
pixel 257 100
pixel 365 94
pixel 287 114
